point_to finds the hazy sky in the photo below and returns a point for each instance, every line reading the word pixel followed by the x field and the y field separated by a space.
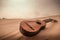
pixel 28 8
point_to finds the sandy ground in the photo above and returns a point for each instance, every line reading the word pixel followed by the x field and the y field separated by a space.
pixel 9 30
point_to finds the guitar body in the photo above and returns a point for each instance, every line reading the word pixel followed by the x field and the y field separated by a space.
pixel 31 28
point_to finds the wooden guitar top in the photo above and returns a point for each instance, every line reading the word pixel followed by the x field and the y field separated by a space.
pixel 32 26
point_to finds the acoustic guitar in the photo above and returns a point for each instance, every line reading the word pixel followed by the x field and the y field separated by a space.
pixel 32 28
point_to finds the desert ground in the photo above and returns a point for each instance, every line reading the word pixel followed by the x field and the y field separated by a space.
pixel 9 30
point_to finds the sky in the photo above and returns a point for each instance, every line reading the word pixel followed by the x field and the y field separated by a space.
pixel 28 8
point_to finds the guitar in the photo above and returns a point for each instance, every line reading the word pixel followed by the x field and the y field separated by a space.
pixel 32 28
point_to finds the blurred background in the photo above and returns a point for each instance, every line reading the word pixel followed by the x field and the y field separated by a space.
pixel 28 8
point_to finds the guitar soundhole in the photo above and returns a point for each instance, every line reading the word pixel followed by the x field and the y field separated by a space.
pixel 38 22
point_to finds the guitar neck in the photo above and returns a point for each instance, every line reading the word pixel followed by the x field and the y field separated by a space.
pixel 49 20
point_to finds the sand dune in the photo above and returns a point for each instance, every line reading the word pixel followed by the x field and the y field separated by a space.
pixel 9 30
